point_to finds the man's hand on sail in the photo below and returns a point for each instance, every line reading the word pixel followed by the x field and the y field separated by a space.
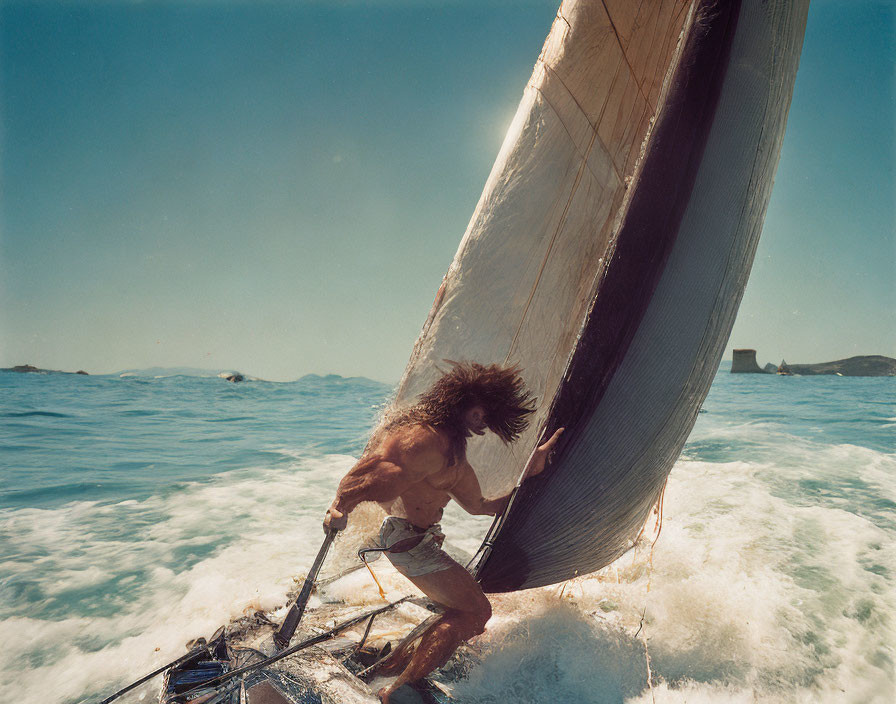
pixel 540 456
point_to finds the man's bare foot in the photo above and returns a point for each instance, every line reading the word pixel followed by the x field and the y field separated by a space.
pixel 386 692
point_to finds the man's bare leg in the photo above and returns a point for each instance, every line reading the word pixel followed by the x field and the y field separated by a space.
pixel 466 612
pixel 400 656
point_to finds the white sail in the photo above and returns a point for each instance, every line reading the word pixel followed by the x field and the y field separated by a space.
pixel 608 254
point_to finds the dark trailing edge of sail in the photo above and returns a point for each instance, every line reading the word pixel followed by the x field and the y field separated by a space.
pixel 592 502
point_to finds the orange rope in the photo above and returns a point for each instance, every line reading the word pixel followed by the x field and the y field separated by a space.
pixel 658 527
pixel 378 585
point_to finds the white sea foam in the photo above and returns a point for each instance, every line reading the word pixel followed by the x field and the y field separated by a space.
pixel 270 522
pixel 758 591
pixel 751 599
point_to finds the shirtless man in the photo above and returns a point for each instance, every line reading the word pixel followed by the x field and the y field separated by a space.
pixel 413 465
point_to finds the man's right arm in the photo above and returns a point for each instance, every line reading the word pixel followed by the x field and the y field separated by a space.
pixel 373 479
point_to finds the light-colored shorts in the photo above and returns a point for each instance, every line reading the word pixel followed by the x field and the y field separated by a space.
pixel 425 558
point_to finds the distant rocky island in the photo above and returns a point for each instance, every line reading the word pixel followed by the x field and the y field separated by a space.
pixel 27 368
pixel 151 372
pixel 743 361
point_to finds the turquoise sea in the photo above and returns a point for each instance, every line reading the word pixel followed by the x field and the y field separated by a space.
pixel 139 512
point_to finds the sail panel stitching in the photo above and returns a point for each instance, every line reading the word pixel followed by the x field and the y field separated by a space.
pixel 557 230
pixel 622 48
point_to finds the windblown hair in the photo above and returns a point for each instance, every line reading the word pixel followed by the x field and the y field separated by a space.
pixel 499 390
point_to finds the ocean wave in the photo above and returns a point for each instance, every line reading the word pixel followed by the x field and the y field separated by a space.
pixel 745 597
pixel 27 414
pixel 750 591
pixel 773 579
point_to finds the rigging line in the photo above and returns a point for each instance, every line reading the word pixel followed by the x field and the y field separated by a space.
pixel 192 655
pixel 363 555
pixel 332 578
pixel 649 673
pixel 488 542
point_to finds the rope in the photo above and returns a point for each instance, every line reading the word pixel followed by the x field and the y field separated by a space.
pixel 399 546
pixel 192 655
pixel 658 527
pixel 362 553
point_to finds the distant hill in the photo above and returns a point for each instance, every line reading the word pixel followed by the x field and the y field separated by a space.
pixel 866 365
pixel 29 369
pixel 152 372
pixel 337 379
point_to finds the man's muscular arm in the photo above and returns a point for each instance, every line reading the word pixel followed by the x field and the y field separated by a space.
pixel 372 479
pixel 467 492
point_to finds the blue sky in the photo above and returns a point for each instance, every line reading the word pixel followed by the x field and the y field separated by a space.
pixel 279 187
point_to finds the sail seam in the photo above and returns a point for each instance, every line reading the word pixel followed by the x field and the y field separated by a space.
pixel 650 58
pixel 669 45
pixel 583 154
pixel 622 49
pixel 557 231
pixel 550 69
pixel 595 128
pixel 563 17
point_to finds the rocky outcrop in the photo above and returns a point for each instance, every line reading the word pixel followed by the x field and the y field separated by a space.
pixel 863 365
pixel 28 369
pixel 743 361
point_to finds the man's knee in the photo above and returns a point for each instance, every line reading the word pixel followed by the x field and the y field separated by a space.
pixel 479 616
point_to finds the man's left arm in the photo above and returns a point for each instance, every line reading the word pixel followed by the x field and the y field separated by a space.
pixel 467 492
